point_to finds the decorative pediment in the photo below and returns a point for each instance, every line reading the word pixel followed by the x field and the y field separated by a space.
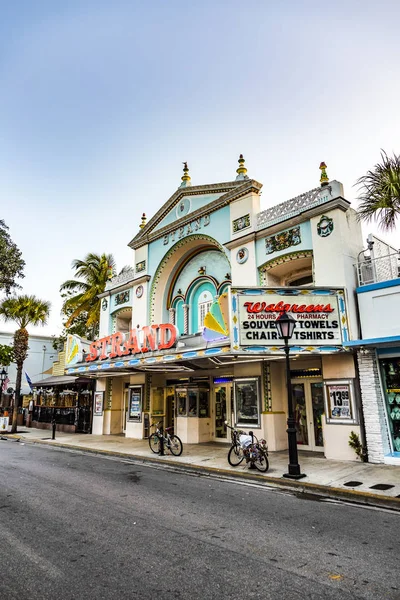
pixel 190 203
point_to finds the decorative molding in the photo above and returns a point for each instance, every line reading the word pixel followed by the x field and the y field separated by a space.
pixel 121 298
pixel 166 260
pixel 230 192
pixel 239 241
pixel 241 223
pixel 242 255
pixel 146 406
pixel 139 291
pixel 140 266
pixel 120 279
pixel 266 378
pixel 325 226
pixel 281 260
pixel 293 207
pixel 283 240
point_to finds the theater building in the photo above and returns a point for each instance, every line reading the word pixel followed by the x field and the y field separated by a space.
pixel 189 335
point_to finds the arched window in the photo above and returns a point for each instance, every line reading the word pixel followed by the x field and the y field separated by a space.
pixel 204 305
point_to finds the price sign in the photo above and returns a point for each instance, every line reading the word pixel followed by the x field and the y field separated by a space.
pixel 339 401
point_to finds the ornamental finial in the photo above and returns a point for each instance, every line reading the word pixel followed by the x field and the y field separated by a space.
pixel 186 179
pixel 241 170
pixel 324 177
pixel 144 219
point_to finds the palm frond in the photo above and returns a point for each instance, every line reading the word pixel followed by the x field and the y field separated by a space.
pixel 380 193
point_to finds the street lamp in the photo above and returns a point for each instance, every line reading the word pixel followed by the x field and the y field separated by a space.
pixel 285 325
pixel 3 375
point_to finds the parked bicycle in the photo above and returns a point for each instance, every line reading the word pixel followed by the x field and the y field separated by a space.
pixel 247 447
pixel 171 441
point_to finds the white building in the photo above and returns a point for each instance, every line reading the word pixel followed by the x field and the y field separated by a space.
pixel 378 347
pixel 41 355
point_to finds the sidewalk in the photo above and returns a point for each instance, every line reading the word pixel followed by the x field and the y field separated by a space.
pixel 377 485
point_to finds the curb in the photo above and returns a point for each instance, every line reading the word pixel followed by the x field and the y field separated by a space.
pixel 303 487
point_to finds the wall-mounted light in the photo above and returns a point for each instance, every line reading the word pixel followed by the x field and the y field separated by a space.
pixel 202 271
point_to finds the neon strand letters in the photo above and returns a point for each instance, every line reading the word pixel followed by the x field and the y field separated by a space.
pixel 147 339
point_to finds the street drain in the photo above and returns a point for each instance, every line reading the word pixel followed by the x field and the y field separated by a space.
pixel 352 483
pixel 381 486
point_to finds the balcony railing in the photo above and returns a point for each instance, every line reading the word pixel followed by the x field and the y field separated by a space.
pixel 375 270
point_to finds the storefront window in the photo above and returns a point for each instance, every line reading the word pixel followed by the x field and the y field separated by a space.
pixel 158 401
pixel 181 402
pixel 203 403
pixel 247 402
pixel 193 402
pixel 391 383
pixel 192 398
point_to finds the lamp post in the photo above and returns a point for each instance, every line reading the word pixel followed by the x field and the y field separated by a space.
pixel 285 325
pixel 3 375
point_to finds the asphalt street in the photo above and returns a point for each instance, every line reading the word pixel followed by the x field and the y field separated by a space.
pixel 76 526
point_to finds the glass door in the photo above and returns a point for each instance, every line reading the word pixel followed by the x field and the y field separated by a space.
pixel 317 407
pixel 222 405
pixel 308 406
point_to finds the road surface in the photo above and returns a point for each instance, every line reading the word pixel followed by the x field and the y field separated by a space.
pixel 77 527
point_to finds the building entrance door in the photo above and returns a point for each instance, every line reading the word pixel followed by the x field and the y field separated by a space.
pixel 223 411
pixel 308 407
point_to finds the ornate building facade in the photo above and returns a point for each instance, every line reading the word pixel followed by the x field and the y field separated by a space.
pixel 188 336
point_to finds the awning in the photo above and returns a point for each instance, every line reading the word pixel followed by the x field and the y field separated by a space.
pixel 59 380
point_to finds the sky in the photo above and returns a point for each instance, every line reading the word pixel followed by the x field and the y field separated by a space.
pixel 101 102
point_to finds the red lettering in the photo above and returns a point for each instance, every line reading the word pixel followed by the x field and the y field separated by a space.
pixel 167 336
pixel 149 337
pixel 116 340
pixel 102 344
pixel 248 306
pixel 93 352
pixel 131 345
pixel 328 309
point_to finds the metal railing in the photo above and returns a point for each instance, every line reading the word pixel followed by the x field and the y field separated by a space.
pixel 374 270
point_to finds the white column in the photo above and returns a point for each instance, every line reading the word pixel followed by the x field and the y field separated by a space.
pixel 186 319
pixel 172 315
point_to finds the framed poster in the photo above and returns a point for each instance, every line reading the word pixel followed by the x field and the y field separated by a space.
pixel 98 403
pixel 135 404
pixel 339 398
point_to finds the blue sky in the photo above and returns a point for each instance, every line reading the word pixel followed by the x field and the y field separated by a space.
pixel 101 102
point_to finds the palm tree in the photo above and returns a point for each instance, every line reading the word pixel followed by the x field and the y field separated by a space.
pixel 82 294
pixel 380 192
pixel 24 310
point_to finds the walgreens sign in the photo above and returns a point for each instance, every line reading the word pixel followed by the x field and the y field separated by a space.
pixel 317 319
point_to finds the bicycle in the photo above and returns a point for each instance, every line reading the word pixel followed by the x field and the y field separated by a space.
pixel 247 447
pixel 170 440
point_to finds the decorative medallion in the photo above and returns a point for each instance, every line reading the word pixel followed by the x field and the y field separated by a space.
pixel 325 226
pixel 281 241
pixel 241 223
pixel 121 298
pixel 104 304
pixel 182 208
pixel 139 291
pixel 140 266
pixel 242 255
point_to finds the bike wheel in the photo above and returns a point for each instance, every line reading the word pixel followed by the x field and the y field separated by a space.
pixel 261 462
pixel 154 443
pixel 235 456
pixel 175 445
